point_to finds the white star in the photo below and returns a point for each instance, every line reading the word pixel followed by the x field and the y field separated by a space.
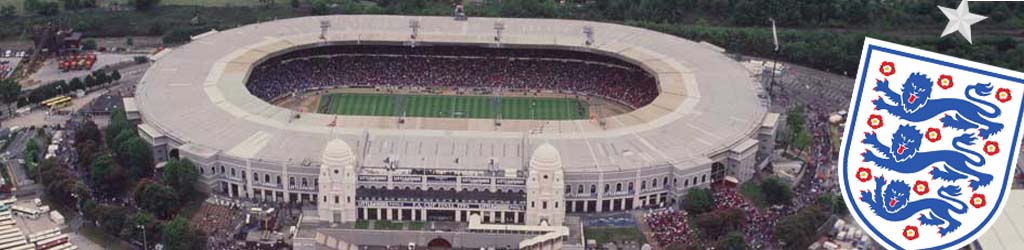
pixel 960 20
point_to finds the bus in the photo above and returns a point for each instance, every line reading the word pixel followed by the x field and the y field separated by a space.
pixel 58 102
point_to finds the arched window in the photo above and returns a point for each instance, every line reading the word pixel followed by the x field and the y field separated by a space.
pixel 695 180
pixel 568 189
pixel 243 174
pixel 703 178
pixel 278 180
pixel 643 185
pixel 266 178
pixel 337 199
pixel 654 183
pixel 630 188
pixel 664 181
pixel 255 177
pixel 618 187
pixel 304 182
pixel 291 181
pixel 593 189
pixel 213 170
pixel 607 188
pixel 222 169
pixel 232 172
pixel 686 183
pixel 579 189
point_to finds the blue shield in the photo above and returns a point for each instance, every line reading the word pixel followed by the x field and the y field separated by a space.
pixel 929 147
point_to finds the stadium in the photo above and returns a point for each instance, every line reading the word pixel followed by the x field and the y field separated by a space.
pixel 505 124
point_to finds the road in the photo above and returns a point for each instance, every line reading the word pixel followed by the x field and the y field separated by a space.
pixel 14 151
pixel 39 117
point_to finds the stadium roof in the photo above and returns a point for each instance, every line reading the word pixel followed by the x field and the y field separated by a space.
pixel 1008 231
pixel 708 104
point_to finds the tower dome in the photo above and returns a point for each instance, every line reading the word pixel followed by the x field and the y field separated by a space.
pixel 546 157
pixel 337 153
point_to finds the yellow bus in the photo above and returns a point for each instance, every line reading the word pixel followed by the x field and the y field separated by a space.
pixel 57 102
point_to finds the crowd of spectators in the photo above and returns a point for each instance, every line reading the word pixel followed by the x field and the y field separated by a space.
pixel 217 222
pixel 759 227
pixel 525 70
pixel 669 226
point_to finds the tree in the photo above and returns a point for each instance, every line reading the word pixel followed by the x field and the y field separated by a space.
pixel 129 41
pixel 140 158
pixel 112 219
pixel 77 82
pixel 296 4
pixel 90 81
pixel 733 241
pixel 715 224
pixel 835 202
pixel 145 5
pixel 699 201
pixel 10 90
pixel 147 221
pixel 181 175
pixel 156 198
pixel 8 11
pixel 115 76
pixel 776 192
pixel 118 123
pixel 105 176
pixel 89 44
pixel 177 234
pixel 798 230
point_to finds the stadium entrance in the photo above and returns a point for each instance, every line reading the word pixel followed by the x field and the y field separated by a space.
pixel 439 244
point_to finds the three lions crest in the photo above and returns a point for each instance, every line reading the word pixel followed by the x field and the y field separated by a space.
pixel 930 146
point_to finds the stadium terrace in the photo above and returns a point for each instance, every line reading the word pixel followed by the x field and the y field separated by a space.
pixel 693 116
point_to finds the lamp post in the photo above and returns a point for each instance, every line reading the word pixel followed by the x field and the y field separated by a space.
pixel 324 25
pixel 499 26
pixel 415 26
pixel 589 32
pixel 144 243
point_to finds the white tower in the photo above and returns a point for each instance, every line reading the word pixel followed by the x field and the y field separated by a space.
pixel 337 202
pixel 545 197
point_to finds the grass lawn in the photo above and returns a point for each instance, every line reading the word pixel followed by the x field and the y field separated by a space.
pixel 106 241
pixel 610 234
pixel 454 106
pixel 387 225
pixel 218 3
pixel 417 225
pixel 362 224
pixel 752 190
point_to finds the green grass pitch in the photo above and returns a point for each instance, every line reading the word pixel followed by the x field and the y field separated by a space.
pixel 487 107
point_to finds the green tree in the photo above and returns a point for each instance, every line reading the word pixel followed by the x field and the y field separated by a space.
pixel 717 223
pixel 90 81
pixel 799 230
pixel 733 241
pixel 145 220
pixel 115 76
pixel 177 234
pixel 181 175
pixel 10 90
pixel 776 191
pixel 89 44
pixel 129 41
pixel 8 11
pixel 296 4
pixel 835 202
pixel 699 201
pixel 156 198
pixel 145 5
pixel 118 122
pixel 112 219
pixel 106 176
pixel 140 158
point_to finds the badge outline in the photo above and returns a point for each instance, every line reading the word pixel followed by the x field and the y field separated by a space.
pixel 871 45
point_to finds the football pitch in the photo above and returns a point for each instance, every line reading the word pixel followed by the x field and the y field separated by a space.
pixel 488 107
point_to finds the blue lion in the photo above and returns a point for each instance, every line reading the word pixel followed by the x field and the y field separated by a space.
pixel 915 105
pixel 903 156
pixel 893 204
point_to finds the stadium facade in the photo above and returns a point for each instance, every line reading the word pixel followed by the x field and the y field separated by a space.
pixel 708 123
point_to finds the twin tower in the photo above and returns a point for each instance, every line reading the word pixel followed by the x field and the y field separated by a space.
pixel 545 198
